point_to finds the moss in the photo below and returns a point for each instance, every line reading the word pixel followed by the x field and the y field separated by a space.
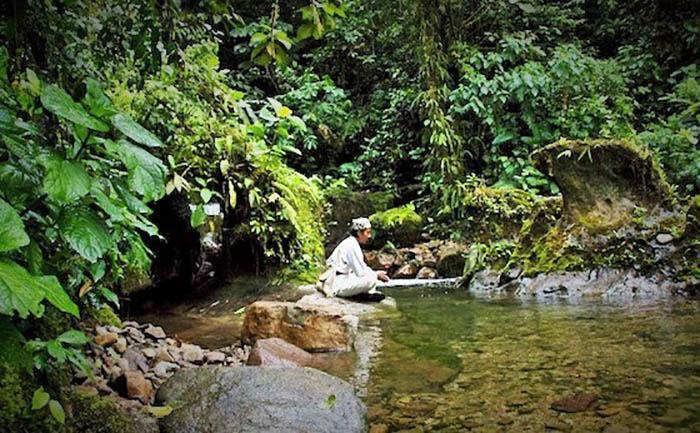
pixel 400 225
pixel 16 389
pixel 96 414
pixel 104 315
pixel 488 214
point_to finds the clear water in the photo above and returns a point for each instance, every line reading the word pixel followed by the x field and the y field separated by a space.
pixel 454 363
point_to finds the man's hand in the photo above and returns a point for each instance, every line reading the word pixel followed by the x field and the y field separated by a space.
pixel 382 276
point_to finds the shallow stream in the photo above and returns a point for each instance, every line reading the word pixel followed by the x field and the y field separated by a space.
pixel 452 362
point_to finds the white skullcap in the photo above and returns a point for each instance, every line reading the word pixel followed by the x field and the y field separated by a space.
pixel 360 224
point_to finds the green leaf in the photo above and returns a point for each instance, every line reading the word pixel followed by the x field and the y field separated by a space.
pixel 12 234
pixel 284 112
pixel 40 398
pixel 136 132
pixel 73 337
pixel 57 411
pixel 65 181
pixel 12 343
pixel 85 233
pixel 305 31
pixel 160 411
pixel 330 402
pixel 58 297
pixel 109 295
pixel 57 101
pixel 20 291
pixel 198 217
pixel 206 195
pixel 146 172
pixel 97 102
pixel 257 39
pixel 56 351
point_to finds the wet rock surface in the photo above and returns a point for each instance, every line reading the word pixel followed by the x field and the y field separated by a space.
pixel 616 284
pixel 248 399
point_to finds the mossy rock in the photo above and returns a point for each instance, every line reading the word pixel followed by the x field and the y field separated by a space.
pixel 604 182
pixel 99 414
pixel 400 225
pixel 499 213
pixel 345 205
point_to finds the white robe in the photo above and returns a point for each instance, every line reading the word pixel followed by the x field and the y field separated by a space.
pixel 352 275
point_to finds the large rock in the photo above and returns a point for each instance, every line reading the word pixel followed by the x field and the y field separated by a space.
pixel 612 284
pixel 275 352
pixel 603 182
pixel 259 400
pixel 451 259
pixel 312 326
pixel 401 225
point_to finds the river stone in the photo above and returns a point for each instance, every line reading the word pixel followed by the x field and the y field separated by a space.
pixel 313 326
pixel 579 402
pixel 409 270
pixel 155 332
pixel 216 399
pixel 133 384
pixel 663 238
pixel 451 259
pixel 426 273
pixel 271 352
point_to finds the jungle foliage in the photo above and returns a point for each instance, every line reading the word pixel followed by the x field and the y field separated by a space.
pixel 264 108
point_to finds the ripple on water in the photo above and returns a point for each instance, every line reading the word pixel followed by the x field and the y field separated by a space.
pixel 454 363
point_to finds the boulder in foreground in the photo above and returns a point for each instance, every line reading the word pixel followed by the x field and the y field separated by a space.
pixel 259 400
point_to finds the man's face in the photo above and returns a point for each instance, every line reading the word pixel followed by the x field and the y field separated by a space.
pixel 363 236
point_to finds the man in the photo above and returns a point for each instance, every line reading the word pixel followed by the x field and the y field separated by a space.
pixel 347 273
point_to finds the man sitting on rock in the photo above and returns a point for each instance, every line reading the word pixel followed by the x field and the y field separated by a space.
pixel 348 274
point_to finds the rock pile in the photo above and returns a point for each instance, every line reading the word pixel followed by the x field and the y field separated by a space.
pixel 134 360
pixel 426 260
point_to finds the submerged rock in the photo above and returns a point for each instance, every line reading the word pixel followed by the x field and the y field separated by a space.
pixel 250 399
pixel 579 402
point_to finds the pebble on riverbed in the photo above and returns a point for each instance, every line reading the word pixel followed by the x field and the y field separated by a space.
pixel 134 360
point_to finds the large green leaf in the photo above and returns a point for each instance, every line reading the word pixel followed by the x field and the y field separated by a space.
pixel 12 234
pixel 146 172
pixel 57 296
pixel 85 233
pixel 65 181
pixel 20 292
pixel 57 101
pixel 12 343
pixel 136 132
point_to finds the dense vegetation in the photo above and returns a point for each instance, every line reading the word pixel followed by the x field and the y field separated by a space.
pixel 270 108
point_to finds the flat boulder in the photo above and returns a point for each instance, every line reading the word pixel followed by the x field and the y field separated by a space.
pixel 312 326
pixel 275 352
pixel 218 399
